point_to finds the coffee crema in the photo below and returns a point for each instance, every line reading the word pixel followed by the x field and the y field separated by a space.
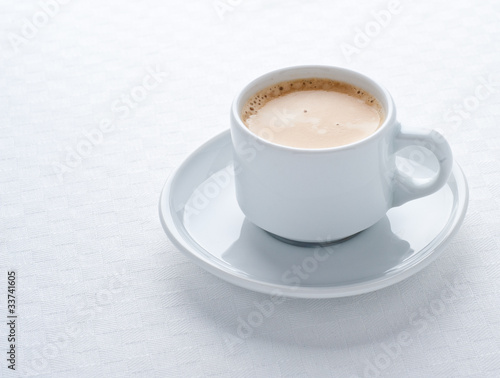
pixel 312 113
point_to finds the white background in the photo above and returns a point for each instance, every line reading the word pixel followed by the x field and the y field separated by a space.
pixel 103 292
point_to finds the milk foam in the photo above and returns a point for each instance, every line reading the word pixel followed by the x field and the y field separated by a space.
pixel 313 113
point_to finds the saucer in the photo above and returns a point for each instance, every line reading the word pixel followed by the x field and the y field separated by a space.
pixel 199 213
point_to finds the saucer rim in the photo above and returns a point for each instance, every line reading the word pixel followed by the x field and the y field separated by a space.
pixel 429 253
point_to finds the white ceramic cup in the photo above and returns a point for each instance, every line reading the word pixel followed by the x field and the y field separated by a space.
pixel 327 194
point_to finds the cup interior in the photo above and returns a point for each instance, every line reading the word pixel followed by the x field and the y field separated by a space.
pixel 326 72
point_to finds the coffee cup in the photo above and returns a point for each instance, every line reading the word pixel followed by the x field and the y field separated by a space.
pixel 312 192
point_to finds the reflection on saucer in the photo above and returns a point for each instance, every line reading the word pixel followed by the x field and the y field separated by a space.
pixel 311 244
pixel 362 257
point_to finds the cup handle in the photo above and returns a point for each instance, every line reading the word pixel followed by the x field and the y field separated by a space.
pixel 407 188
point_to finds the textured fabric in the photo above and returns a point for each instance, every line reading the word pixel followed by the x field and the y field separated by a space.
pixel 101 100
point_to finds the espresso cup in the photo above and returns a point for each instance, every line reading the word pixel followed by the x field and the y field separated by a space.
pixel 320 195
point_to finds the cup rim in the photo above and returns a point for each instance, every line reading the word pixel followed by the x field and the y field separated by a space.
pixel 390 110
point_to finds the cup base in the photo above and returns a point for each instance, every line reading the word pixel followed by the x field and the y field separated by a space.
pixel 303 244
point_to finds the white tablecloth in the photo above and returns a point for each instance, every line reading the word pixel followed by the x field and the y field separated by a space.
pixel 101 100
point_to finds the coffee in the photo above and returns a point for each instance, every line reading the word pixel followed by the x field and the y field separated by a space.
pixel 312 113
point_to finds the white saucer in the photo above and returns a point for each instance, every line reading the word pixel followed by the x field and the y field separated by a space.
pixel 199 213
